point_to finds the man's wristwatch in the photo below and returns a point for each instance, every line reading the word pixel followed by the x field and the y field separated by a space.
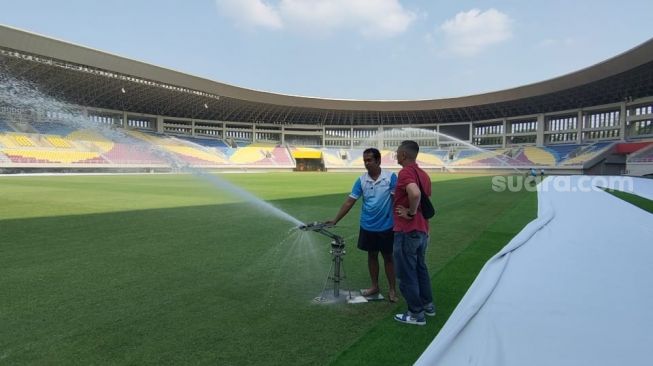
pixel 409 214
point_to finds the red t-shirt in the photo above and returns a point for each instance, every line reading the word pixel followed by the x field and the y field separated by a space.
pixel 407 175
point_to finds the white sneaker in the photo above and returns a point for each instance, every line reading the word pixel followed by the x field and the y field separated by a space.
pixel 430 311
pixel 409 319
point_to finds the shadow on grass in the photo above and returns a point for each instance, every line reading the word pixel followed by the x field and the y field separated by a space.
pixel 204 284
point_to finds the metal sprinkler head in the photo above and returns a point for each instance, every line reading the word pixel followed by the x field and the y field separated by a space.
pixel 337 252
pixel 314 226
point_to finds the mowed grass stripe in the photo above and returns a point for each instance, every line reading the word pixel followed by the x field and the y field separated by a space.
pixel 635 200
pixel 183 279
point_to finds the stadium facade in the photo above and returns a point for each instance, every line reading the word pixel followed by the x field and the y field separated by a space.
pixel 598 119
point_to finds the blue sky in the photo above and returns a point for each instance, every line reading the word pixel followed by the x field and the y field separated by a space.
pixel 351 49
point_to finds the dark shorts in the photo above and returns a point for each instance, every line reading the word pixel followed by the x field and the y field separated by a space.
pixel 376 241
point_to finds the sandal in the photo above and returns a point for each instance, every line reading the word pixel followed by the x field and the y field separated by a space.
pixel 393 297
pixel 369 292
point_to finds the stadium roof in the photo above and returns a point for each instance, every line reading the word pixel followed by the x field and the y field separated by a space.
pixel 89 77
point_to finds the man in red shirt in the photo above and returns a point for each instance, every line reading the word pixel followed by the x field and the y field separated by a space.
pixel 412 237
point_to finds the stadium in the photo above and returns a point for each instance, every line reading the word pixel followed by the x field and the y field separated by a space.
pixel 119 264
pixel 596 120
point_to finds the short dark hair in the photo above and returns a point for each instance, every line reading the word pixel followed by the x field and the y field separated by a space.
pixel 375 153
pixel 410 147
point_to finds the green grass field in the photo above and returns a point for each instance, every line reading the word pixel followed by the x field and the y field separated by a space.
pixel 638 201
pixel 167 269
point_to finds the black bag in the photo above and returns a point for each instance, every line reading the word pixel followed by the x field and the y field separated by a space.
pixel 428 211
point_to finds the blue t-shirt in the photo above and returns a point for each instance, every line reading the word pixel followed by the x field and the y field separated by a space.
pixel 376 214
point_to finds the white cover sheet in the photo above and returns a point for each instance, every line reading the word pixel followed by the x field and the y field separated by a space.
pixel 574 287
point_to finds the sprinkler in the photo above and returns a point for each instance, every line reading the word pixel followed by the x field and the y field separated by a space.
pixel 337 253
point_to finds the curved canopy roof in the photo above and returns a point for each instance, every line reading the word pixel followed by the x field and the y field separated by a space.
pixel 90 77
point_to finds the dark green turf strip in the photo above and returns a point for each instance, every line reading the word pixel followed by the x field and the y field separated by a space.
pixel 641 202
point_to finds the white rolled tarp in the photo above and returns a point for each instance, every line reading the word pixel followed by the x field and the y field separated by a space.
pixel 574 287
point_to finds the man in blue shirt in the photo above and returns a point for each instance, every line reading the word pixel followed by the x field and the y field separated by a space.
pixel 376 187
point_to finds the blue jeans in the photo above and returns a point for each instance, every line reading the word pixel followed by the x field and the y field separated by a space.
pixel 414 281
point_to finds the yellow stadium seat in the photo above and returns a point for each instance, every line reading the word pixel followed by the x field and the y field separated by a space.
pixel 23 140
pixel 92 137
pixel 306 153
pixel 331 160
pixel 8 142
pixel 539 156
pixel 247 155
pixel 58 142
pixel 195 153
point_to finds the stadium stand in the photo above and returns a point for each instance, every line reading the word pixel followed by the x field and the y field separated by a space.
pixel 131 154
pixel 610 100
pixel 561 152
pixel 49 156
pixel 389 159
pixel 5 141
pixel 280 155
pixel 640 161
pixel 356 158
pixel 4 127
pixel 22 140
pixel 91 139
pixel 627 148
pixel 58 142
pixel 539 156
pixel 644 155
pixel 171 145
pixel 52 128
pixel 645 158
pixel 217 143
pixel 470 157
pixel 430 158
pixel 260 154
pixel 195 156
pixel 587 153
pixel 335 158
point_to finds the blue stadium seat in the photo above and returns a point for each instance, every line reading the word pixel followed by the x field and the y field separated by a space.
pixel 52 128
pixel 562 151
pixel 4 126
pixel 204 142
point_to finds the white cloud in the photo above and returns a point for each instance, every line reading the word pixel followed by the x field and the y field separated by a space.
pixel 251 13
pixel 371 18
pixel 552 42
pixel 469 33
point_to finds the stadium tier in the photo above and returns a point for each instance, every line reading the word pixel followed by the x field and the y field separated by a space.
pixel 54 157
pixel 4 127
pixel 586 153
pixel 539 156
pixel 22 140
pixel 155 117
pixel 126 154
pixel 64 145
pixel 52 128
pixel 561 152
pixel 643 155
pixel 206 142
pixel 644 158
